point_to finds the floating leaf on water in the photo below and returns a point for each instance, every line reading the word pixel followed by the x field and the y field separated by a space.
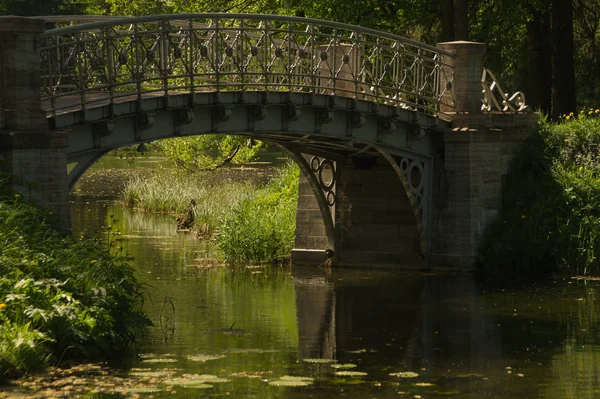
pixel 319 361
pixel 138 390
pixel 343 366
pixel 444 393
pixel 358 351
pixel 423 384
pixel 250 350
pixel 404 374
pixel 469 375
pixel 189 383
pixel 292 381
pixel 204 358
pixel 149 374
pixel 195 380
pixel 160 360
pixel 350 373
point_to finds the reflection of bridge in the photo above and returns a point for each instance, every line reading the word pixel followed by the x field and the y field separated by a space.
pixel 402 156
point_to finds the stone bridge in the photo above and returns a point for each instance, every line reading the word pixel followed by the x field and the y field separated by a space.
pixel 402 146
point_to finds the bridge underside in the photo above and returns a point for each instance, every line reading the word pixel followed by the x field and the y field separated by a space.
pixel 366 168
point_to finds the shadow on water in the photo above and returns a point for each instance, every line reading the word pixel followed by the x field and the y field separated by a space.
pixel 238 332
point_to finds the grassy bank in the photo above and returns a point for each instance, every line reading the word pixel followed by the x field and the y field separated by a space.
pixel 254 222
pixel 60 297
pixel 261 229
pixel 551 217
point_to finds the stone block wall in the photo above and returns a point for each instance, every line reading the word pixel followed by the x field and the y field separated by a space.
pixel 374 219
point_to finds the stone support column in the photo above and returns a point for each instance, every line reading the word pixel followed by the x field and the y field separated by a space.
pixel 478 149
pixel 33 157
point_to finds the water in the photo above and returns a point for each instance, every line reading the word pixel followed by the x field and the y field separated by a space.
pixel 245 328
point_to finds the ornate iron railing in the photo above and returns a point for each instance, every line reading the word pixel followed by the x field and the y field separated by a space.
pixel 496 100
pixel 84 63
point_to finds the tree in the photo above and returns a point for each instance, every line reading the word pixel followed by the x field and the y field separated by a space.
pixel 563 65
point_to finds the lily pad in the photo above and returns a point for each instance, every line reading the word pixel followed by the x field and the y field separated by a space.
pixel 160 360
pixel 350 373
pixel 138 390
pixel 423 384
pixel 204 358
pixel 292 381
pixel 405 374
pixel 343 366
pixel 319 361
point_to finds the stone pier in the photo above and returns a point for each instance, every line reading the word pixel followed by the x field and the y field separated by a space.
pixel 32 156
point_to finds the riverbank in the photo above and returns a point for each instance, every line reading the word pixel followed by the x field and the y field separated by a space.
pixel 61 297
pixel 550 223
pixel 250 211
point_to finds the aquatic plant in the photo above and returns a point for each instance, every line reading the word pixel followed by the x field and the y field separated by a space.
pixel 262 228
pixel 61 297
pixel 550 221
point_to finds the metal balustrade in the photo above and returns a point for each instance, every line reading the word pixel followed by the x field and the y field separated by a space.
pixel 91 60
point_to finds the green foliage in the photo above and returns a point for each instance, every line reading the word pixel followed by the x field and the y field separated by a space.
pixel 261 229
pixel 208 151
pixel 551 204
pixel 165 191
pixel 58 295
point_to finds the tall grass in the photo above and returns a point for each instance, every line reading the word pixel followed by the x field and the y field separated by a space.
pixel 172 192
pixel 551 213
pixel 261 229
pixel 59 296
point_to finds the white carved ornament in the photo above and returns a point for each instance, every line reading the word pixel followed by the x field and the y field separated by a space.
pixel 495 99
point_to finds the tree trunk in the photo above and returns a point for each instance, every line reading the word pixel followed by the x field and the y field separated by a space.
pixel 461 20
pixel 563 76
pixel 447 19
pixel 537 84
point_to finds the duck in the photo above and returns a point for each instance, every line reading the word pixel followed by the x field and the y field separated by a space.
pixel 185 222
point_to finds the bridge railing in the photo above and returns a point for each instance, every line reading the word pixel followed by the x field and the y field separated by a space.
pixel 91 60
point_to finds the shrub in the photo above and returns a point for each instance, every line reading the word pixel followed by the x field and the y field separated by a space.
pixel 58 295
pixel 551 211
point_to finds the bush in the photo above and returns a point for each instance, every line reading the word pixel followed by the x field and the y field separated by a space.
pixel 58 295
pixel 551 213
pixel 261 229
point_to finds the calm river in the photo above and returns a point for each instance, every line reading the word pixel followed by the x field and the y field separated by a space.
pixel 274 332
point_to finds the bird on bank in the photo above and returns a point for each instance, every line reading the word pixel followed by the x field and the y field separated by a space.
pixel 185 222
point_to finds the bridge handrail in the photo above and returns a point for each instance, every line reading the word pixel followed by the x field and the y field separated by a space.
pixel 114 57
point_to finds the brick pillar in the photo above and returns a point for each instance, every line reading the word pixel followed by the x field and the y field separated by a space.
pixel 467 66
pixel 478 149
pixel 33 157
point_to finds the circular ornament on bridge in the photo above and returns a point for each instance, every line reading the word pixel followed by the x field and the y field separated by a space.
pixel 324 56
pixel 150 55
pixel 229 51
pixel 203 51
pixel 177 52
pixel 302 53
pixel 415 171
pixel 278 52
pixel 346 59
pixel 96 63
pixel 404 164
pixel 315 164
pixel 326 164
pixel 330 198
pixel 254 51
pixel 387 68
pixel 419 201
pixel 123 58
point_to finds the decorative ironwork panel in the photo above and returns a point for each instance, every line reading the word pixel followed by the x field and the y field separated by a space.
pixel 324 172
pixel 108 59
pixel 495 99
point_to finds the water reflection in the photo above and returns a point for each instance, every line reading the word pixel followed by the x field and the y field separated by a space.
pixel 252 325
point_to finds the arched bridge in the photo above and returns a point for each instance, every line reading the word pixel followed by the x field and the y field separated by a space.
pixel 375 121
